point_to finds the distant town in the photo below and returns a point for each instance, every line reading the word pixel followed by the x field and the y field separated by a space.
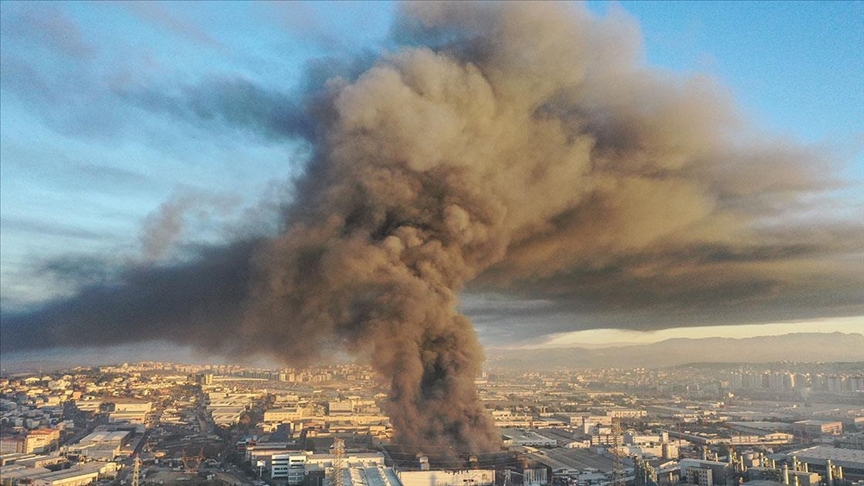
pixel 165 423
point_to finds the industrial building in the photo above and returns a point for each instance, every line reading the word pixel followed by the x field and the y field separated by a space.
pixel 293 466
pixel 286 414
pixel 77 476
pixel 705 473
pixel 34 441
pixel 101 446
pixel 131 411
pixel 439 477
pixel 816 428
pixel 851 460
pixel 525 437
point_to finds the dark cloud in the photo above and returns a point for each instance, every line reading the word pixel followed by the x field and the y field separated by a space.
pixel 76 88
pixel 230 102
pixel 183 303
pixel 522 149
pixel 84 95
pixel 46 25
pixel 79 271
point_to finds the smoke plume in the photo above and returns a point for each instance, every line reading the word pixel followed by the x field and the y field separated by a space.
pixel 520 147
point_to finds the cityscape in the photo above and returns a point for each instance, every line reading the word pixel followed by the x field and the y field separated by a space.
pixel 169 423
pixel 431 243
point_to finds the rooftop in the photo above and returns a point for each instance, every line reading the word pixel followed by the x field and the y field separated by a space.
pixel 851 458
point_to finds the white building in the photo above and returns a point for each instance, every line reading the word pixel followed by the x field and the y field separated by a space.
pixel 288 466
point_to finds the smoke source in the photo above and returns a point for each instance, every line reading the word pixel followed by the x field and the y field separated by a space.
pixel 518 146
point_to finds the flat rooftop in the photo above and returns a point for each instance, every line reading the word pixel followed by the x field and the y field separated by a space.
pixel 580 459
pixel 407 460
pixel 851 458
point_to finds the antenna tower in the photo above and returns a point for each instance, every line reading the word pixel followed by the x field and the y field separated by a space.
pixel 338 463
pixel 617 471
pixel 136 471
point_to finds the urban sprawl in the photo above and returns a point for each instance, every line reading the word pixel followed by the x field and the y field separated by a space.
pixel 163 423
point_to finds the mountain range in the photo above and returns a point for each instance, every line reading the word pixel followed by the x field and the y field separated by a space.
pixel 798 347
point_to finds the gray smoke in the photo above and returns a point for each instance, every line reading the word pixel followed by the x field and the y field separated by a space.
pixel 522 147
pixel 164 228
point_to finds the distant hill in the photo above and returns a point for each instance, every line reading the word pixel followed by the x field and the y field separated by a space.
pixel 800 347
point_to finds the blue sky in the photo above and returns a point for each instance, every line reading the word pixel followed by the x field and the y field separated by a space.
pixel 93 147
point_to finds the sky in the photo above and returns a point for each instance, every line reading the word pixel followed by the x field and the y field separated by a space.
pixel 619 337
pixel 134 132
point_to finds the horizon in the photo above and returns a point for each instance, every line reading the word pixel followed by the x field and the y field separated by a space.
pixel 61 359
pixel 141 142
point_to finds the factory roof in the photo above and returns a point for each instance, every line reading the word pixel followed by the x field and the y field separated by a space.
pixel 851 458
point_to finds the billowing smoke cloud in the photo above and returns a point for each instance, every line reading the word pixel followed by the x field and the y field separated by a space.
pixel 522 148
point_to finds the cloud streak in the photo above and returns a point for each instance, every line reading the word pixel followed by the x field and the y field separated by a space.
pixel 156 15
pixel 230 102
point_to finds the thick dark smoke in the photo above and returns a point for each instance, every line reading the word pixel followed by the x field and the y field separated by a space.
pixel 521 147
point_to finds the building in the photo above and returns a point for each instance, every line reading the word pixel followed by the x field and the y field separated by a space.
pixel 293 465
pixel 626 413
pixel 88 406
pixel 367 476
pixel 470 477
pixel 804 478
pixel 693 471
pixel 77 476
pixel 340 407
pixel 816 428
pixel 128 410
pixel 41 440
pixel 286 414
pixel 204 378
pixel 525 437
pixel 130 405
pixel 851 460
pixel 8 458
pixel 68 477
pixel 11 445
pixel 651 445
pixel 591 420
pixel 701 476
pixel 352 459
pixel 101 446
pixel 778 438
pixel 506 418
pixel 288 466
